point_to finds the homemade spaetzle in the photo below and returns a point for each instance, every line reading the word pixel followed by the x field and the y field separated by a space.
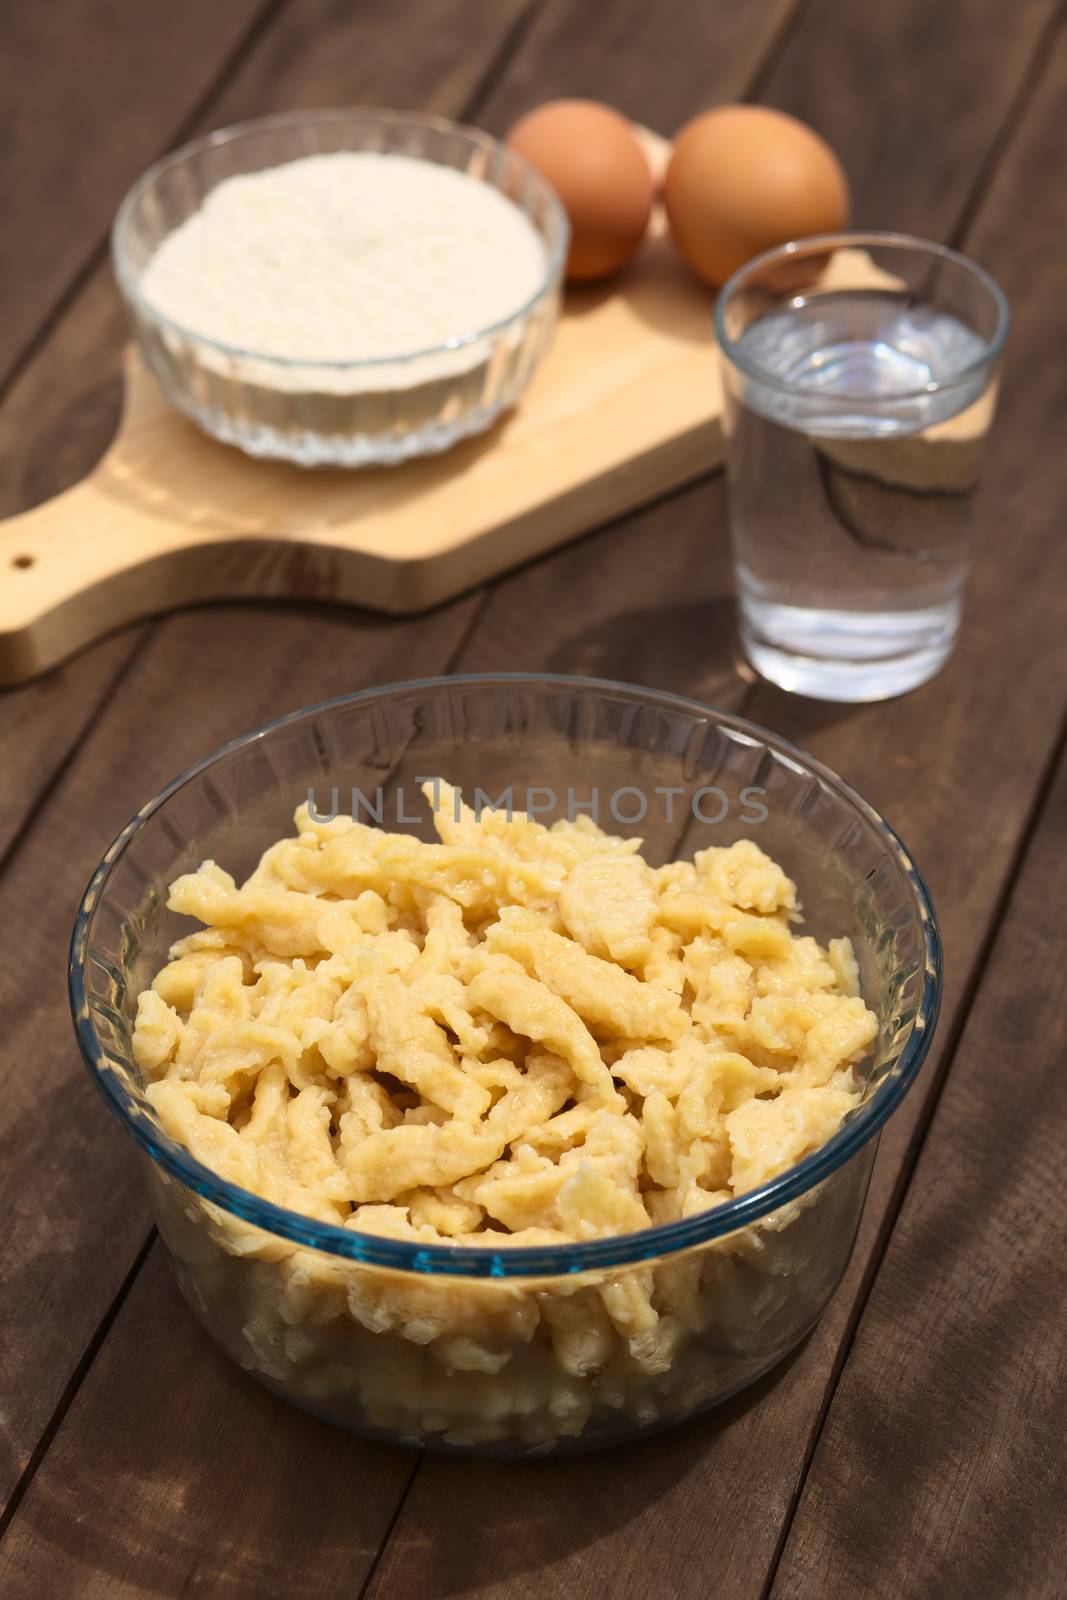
pixel 518 1035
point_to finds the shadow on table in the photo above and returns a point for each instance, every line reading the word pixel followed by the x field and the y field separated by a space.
pixel 687 649
pixel 799 716
pixel 174 1473
pixel 694 649
pixel 57 1247
pixel 469 1527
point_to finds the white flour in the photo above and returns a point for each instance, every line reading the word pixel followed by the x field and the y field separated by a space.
pixel 346 257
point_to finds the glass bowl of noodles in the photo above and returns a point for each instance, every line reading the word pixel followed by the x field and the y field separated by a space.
pixel 521 1095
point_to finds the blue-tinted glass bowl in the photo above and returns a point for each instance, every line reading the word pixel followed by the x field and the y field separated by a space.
pixel 452 1347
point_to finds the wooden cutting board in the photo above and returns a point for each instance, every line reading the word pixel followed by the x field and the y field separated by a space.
pixel 626 404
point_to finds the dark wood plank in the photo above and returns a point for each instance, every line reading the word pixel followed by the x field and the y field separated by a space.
pixel 61 188
pixel 952 1402
pixel 167 711
pixel 636 1500
pixel 164 713
pixel 906 96
pixel 59 417
pixel 209 1520
pixel 43 725
pixel 53 428
pixel 602 607
pixel 942 1469
pixel 82 1214
pixel 926 761
pixel 85 104
pixel 60 414
pixel 658 69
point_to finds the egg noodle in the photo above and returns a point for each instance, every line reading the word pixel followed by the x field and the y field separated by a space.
pixel 518 1035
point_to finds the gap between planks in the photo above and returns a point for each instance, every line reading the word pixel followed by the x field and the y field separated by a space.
pixel 73 1384
pixel 505 50
pixel 98 252
pixel 981 186
pixel 887 1224
pixel 505 53
pixel 762 71
pixel 1037 67
pixel 996 151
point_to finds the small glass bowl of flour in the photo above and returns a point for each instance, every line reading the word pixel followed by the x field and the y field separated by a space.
pixel 342 288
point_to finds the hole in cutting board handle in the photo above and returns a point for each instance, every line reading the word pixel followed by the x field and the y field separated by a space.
pixel 22 561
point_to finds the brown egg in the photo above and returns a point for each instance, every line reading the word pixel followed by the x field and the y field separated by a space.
pixel 590 156
pixel 742 180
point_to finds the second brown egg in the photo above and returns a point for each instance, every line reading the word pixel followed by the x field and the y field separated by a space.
pixel 743 179
pixel 590 156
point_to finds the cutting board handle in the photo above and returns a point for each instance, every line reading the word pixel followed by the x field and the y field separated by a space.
pixel 56 561
pixel 102 555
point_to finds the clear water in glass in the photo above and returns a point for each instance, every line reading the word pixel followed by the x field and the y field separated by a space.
pixel 857 421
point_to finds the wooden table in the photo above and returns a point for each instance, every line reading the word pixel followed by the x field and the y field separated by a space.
pixel 915 1445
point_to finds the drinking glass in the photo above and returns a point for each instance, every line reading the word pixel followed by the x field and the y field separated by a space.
pixel 860 374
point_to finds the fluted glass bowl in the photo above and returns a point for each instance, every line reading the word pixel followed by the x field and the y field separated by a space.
pixel 460 1348
pixel 340 413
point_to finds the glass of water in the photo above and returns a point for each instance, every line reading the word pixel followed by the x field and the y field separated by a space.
pixel 860 372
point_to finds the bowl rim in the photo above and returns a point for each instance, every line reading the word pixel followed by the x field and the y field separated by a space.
pixel 128 278
pixel 859 239
pixel 527 1261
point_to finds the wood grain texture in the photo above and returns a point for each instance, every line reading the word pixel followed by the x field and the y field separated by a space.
pixel 148 68
pixel 627 405
pixel 658 65
pixel 646 600
pixel 952 1401
pixel 182 1506
pixel 925 761
pixel 60 413
pixel 41 727
pixel 167 711
pixel 907 98
pixel 93 1192
pixel 942 1469
pixel 164 715
pixel 86 103
pixel 699 1511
